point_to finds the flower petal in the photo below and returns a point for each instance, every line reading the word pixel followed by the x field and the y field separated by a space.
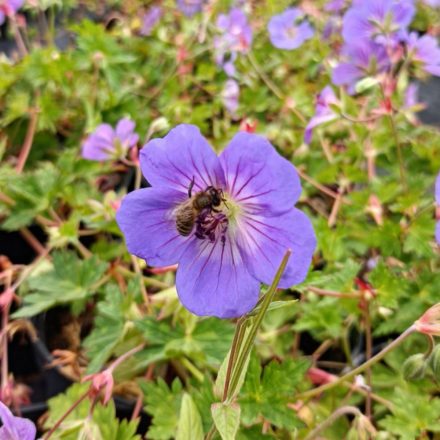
pixel 315 121
pixel 345 73
pixel 99 145
pixel 15 428
pixel 125 132
pixel 146 219
pixel 183 154
pixel 213 281
pixel 257 177
pixel 263 241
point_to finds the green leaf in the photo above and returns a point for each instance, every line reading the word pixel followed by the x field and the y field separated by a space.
pixel 113 325
pixel 190 422
pixel 200 343
pixel 269 395
pixel 70 280
pixel 226 419
pixel 413 414
pixel 163 404
pixel 366 83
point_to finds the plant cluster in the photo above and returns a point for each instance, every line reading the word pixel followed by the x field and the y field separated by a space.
pixel 224 213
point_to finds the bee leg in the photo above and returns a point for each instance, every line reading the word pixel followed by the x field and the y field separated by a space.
pixel 222 196
pixel 191 185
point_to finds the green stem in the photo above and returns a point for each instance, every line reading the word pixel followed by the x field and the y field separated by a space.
pixel 399 151
pixel 211 433
pixel 249 342
pixel 192 369
pixel 379 356
pixel 236 344
pixel 342 411
pixel 431 345
pixel 271 85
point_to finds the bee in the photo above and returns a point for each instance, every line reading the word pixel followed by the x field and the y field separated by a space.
pixel 187 212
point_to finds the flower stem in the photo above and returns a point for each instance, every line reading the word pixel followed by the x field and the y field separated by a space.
pixel 379 356
pixel 271 85
pixel 236 343
pixel 66 414
pixel 399 151
pixel 125 356
pixel 248 343
pixel 26 148
pixel 343 410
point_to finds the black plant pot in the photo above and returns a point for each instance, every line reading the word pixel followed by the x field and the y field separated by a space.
pixel 28 362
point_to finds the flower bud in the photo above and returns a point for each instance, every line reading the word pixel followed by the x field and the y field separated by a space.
pixel 434 361
pixel 414 367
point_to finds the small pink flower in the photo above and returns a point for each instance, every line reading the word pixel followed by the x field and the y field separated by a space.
pixel 320 377
pixel 429 323
pixel 102 380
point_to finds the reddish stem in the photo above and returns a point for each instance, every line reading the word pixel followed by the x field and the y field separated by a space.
pixel 26 148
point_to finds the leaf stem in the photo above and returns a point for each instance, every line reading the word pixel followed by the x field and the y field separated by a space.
pixel 343 410
pixel 27 144
pixel 65 415
pixel 379 356
pixel 271 85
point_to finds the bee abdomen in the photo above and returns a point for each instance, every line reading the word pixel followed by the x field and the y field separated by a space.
pixel 184 228
pixel 185 221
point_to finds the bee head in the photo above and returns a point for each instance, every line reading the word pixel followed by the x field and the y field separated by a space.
pixel 216 196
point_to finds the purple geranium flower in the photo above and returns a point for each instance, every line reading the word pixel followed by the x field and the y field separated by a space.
pixel 230 95
pixel 381 21
pixel 323 111
pixel 236 245
pixel 437 201
pixel 107 143
pixel 288 30
pixel 236 37
pixel 411 98
pixel 190 7
pixel 362 59
pixel 15 428
pixel 150 19
pixel 425 52
pixel 8 8
pixel 335 5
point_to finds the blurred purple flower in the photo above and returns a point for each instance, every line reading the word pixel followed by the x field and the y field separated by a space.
pixel 425 52
pixel 288 30
pixel 236 37
pixel 190 7
pixel 332 27
pixel 411 95
pixel 232 249
pixel 230 95
pixel 381 21
pixel 362 59
pixel 8 8
pixel 323 111
pixel 335 5
pixel 107 143
pixel 150 19
pixel 15 428
pixel 437 201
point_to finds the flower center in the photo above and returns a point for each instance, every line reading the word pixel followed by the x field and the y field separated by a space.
pixel 291 32
pixel 213 223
